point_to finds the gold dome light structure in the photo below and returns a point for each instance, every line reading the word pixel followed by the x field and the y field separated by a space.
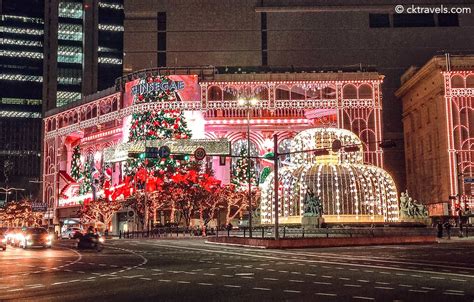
pixel 349 190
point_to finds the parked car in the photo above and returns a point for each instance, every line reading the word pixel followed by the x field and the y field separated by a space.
pixel 71 233
pixel 35 237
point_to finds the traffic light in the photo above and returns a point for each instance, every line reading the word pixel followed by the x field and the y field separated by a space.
pixel 321 152
pixel 136 155
pixel 352 149
pixel 387 144
pixel 181 157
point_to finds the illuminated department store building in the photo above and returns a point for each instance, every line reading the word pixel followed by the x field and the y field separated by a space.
pixel 317 107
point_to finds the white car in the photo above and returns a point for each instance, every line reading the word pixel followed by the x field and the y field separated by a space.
pixel 71 233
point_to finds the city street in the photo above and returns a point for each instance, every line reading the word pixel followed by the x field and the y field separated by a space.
pixel 190 269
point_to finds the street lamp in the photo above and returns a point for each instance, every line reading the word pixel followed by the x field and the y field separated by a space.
pixel 248 103
pixel 7 191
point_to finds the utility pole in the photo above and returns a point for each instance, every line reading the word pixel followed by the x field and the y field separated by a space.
pixel 275 184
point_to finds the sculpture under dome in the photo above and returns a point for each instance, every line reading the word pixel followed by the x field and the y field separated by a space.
pixel 349 190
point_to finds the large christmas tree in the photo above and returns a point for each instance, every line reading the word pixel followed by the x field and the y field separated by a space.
pixel 157 124
pixel 76 163
pixel 241 170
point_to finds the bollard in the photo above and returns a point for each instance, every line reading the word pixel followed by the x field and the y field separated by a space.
pixel 263 233
pixel 327 232
pixel 284 231
pixel 303 232
pixel 177 232
pixel 244 232
pixel 228 232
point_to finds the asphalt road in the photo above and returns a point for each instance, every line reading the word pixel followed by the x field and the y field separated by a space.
pixel 191 270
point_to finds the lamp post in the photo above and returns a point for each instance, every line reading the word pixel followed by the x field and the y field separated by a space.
pixel 248 103
pixel 7 191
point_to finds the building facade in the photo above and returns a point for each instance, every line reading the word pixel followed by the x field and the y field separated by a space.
pixel 83 49
pixel 21 76
pixel 288 103
pixel 439 130
pixel 299 33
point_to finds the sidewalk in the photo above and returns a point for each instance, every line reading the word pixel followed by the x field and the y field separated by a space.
pixel 456 238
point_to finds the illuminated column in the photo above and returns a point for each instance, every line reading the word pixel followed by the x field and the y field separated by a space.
pixel 377 98
pixel 449 132
pixel 204 97
pixel 340 107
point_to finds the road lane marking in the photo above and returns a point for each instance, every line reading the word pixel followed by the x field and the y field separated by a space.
pixel 292 291
pixel 428 288
pixel 183 282
pixel 164 280
pixel 147 279
pixel 438 278
pixel 418 291
pixel 363 280
pixel 296 281
pixel 383 287
pixel 352 285
pixel 405 285
pixel 453 294
pixel 362 298
pixel 322 283
pixel 343 278
pixel 325 276
pixel 326 294
pixel 14 290
pixel 232 286
pixel 383 283
pixel 270 279
pixel 309 274
pixel 261 288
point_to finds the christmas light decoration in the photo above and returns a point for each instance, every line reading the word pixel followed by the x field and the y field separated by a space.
pixel 350 190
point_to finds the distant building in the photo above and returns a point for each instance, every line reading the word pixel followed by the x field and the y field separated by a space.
pixel 83 49
pixel 438 123
pixel 21 76
pixel 293 34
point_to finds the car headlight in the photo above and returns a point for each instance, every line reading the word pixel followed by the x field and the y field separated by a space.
pixel 50 237
pixel 28 237
pixel 4 240
pixel 101 240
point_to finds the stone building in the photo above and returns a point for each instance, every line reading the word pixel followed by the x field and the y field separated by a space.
pixel 438 123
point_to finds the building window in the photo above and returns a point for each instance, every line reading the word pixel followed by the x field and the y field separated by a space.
pixel 448 20
pixel 379 20
pixel 413 20
pixel 161 24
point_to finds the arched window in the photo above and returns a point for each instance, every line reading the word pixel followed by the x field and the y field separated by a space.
pixel 214 93
pixel 282 92
pixel 365 91
pixel 349 92
pixel 470 81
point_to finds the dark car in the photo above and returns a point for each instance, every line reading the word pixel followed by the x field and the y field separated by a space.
pixel 35 237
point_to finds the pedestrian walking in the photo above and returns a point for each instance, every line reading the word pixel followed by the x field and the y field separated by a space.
pixel 447 226
pixel 440 229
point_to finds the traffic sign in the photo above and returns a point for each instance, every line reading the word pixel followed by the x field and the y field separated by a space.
pixel 199 153
pixel 164 151
pixel 468 180
pixel 152 152
pixel 336 145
